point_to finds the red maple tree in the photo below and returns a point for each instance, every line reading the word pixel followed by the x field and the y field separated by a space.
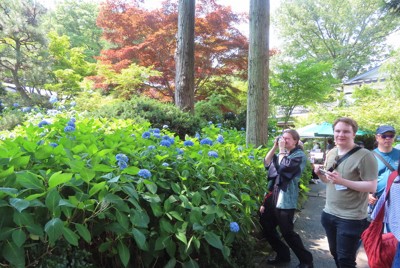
pixel 148 38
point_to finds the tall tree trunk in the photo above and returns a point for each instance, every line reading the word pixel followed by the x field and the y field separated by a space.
pixel 184 58
pixel 257 96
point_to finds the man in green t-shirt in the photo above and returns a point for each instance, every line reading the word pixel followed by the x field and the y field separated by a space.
pixel 344 217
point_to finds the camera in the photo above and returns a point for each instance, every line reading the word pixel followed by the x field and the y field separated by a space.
pixel 277 139
pixel 322 171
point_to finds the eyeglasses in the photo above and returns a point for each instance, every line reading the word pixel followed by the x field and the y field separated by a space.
pixel 385 136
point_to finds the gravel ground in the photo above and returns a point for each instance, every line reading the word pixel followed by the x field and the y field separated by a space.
pixel 312 233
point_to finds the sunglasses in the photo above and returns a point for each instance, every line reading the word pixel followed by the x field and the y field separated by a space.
pixel 385 136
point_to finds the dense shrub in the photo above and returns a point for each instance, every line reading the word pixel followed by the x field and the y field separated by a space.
pixel 9 120
pixel 210 109
pixel 126 194
pixel 157 113
pixel 236 121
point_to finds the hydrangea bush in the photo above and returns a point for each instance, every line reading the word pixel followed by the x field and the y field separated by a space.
pixel 130 195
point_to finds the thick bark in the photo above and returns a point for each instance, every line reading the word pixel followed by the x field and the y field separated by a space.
pixel 257 96
pixel 18 87
pixel 184 58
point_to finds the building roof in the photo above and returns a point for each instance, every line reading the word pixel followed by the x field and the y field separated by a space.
pixel 371 76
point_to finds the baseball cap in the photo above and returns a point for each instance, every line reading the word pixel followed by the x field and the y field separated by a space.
pixel 384 129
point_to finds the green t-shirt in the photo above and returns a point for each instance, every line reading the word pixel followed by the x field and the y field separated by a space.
pixel 347 203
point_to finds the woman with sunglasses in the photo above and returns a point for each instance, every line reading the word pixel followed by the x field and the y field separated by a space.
pixel 284 172
pixel 348 184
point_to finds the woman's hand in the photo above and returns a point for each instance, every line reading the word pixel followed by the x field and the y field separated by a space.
pixel 372 199
pixel 262 209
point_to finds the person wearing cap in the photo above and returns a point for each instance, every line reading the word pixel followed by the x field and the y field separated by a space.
pixel 385 136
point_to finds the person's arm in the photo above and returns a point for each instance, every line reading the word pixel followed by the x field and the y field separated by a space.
pixel 378 205
pixel 270 155
pixel 360 186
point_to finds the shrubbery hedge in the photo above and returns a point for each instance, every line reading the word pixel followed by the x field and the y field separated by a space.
pixel 113 193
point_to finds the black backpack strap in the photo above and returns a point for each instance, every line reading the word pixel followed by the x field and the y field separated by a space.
pixel 383 161
pixel 352 151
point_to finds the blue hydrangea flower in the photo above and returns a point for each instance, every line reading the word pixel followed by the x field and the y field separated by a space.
pixel 122 157
pixel 146 135
pixel 71 123
pixel 151 147
pixel 69 129
pixel 165 143
pixel 219 125
pixel 213 154
pixel 157 135
pixel 53 99
pixel 53 144
pixel 168 138
pixel 26 109
pixel 206 141
pixel 197 136
pixel 165 126
pixel 156 130
pixel 144 173
pixel 73 104
pixel 251 156
pixel 16 104
pixel 234 227
pixel 43 123
pixel 240 148
pixel 242 129
pixel 220 139
pixel 165 164
pixel 122 165
pixel 172 140
pixel 180 151
pixel 188 143
pixel 210 122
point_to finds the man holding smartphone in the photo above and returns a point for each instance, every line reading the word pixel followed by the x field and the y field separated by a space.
pixel 351 174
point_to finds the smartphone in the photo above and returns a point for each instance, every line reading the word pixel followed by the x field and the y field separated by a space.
pixel 322 171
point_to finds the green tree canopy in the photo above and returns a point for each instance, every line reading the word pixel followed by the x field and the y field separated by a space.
pixel 300 84
pixel 392 69
pixel 351 33
pixel 69 66
pixel 77 20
